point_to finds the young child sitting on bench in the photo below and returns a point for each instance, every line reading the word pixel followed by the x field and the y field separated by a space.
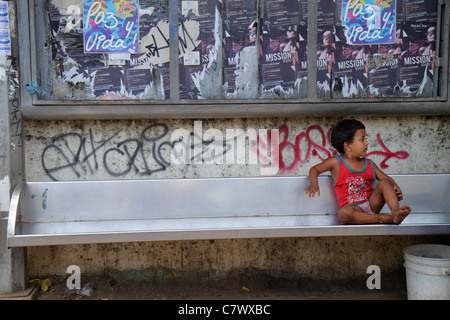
pixel 352 175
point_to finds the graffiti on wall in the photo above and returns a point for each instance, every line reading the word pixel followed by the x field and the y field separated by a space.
pixel 315 142
pixel 156 149
pixel 69 152
pixel 16 120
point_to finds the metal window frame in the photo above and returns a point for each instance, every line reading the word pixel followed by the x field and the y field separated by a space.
pixel 35 109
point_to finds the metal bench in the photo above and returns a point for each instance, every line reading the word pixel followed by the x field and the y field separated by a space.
pixel 58 213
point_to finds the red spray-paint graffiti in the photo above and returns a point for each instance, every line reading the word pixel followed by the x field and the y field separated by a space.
pixel 321 149
pixel 388 154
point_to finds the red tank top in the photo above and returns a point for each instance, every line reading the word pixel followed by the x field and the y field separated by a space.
pixel 353 187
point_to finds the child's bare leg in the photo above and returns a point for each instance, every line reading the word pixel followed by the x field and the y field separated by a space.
pixel 384 193
pixel 353 214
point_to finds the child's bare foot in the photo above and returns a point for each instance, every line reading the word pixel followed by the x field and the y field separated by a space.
pixel 400 214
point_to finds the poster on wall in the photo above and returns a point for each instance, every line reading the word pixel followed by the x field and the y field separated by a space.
pixel 5 37
pixel 419 40
pixel 326 46
pixel 369 22
pixel 367 50
pixel 111 26
pixel 198 21
pixel 283 49
pixel 377 49
pixel 239 48
pixel 111 75
pixel 350 70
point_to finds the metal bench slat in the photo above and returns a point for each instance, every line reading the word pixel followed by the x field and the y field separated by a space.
pixel 46 213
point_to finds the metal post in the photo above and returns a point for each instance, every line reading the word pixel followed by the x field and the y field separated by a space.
pixel 12 260
pixel 312 48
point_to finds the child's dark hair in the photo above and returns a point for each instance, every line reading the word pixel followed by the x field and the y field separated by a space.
pixel 344 131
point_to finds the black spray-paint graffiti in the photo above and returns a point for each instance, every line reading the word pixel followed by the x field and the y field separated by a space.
pixel 143 156
pixel 70 152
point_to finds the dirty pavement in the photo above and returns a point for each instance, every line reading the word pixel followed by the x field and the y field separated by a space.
pixel 162 284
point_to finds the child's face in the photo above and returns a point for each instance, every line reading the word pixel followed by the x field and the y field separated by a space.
pixel 358 147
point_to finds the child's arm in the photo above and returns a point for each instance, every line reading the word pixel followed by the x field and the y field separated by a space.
pixel 314 173
pixel 381 175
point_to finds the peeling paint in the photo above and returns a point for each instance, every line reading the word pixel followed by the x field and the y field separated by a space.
pixel 382 60
pixel 5 64
pixel 247 69
pixel 63 4
pixel 209 80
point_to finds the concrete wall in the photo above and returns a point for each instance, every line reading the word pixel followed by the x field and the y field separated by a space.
pixel 100 150
pixel 96 150
pixel 314 257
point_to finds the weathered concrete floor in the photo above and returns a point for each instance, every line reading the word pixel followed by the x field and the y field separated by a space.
pixel 239 286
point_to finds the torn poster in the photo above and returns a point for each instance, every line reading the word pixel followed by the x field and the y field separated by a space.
pixel 283 42
pixel 111 26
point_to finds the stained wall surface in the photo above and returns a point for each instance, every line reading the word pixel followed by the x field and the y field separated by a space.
pixel 105 150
